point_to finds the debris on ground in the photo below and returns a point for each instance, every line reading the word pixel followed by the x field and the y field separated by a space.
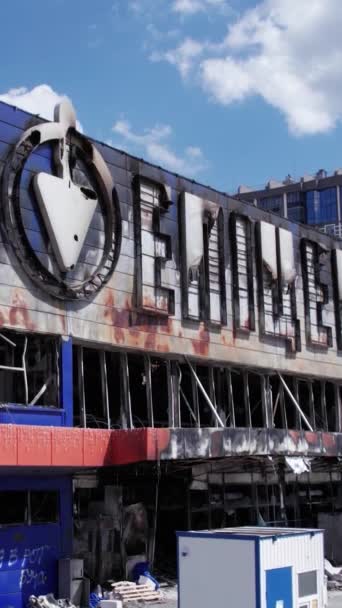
pixel 334 575
pixel 142 576
pixel 48 601
pixel 130 592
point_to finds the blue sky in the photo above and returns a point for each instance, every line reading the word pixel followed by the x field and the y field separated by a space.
pixel 227 92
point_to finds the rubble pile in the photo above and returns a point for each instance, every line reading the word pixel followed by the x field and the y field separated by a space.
pixel 48 601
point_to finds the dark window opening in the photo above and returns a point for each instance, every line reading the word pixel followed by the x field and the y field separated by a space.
pixel 26 507
pixel 330 400
pixel 278 406
pixel 95 407
pixel 187 397
pixel 97 389
pixel 44 507
pixel 255 399
pixel 137 387
pixel 304 402
pixel 238 397
pixel 77 388
pixel 13 508
pixel 206 416
pixel 292 507
pixel 115 396
pixel 221 380
pixel 120 390
pixel 160 396
pixel 318 398
pixel 290 408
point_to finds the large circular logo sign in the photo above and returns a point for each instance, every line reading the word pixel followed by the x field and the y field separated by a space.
pixel 61 211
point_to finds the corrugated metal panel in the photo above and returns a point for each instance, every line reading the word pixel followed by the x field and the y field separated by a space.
pixel 303 553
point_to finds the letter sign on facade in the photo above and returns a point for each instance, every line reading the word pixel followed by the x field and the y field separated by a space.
pixel 152 248
pixel 276 279
pixel 240 230
pixel 316 295
pixel 202 260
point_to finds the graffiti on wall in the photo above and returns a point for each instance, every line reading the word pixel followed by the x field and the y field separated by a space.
pixel 31 563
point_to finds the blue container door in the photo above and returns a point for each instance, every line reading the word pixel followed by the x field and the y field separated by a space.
pixel 279 588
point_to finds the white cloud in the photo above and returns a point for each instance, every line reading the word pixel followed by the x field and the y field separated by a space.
pixel 152 144
pixel 40 100
pixel 183 57
pixel 191 7
pixel 288 52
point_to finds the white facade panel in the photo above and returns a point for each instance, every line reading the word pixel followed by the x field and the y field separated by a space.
pixel 216 572
pixel 302 552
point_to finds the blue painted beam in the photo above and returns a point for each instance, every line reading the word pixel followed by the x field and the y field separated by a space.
pixel 38 415
pixel 66 375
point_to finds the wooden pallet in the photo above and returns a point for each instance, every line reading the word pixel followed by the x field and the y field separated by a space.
pixel 129 592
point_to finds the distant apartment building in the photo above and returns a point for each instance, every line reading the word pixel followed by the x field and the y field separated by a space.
pixel 313 199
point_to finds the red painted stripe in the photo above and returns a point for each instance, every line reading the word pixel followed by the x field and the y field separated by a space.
pixel 72 447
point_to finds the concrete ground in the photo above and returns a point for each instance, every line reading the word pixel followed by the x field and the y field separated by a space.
pixel 170 597
pixel 170 600
pixel 335 599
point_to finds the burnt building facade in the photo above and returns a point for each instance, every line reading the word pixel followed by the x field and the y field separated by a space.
pixel 170 358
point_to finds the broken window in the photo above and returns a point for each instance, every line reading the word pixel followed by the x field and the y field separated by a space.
pixel 124 390
pixel 44 507
pixel 278 403
pixel 291 411
pixel 29 371
pixel 305 400
pixel 205 413
pixel 188 400
pixel 98 388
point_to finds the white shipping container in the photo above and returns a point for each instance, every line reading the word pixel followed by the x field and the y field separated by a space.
pixel 251 568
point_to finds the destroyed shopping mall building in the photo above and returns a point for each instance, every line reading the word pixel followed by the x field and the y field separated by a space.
pixel 170 358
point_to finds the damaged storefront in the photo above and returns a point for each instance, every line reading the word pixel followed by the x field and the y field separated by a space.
pixel 170 359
